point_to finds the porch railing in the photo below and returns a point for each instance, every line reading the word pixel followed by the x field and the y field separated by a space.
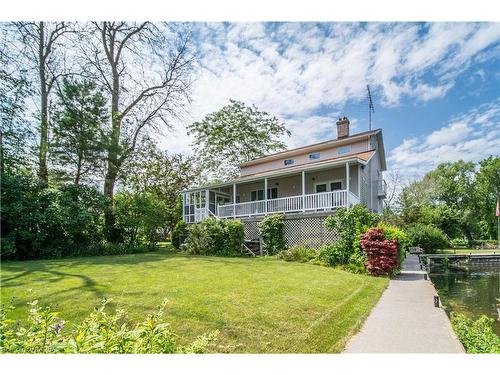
pixel 308 202
pixel 381 187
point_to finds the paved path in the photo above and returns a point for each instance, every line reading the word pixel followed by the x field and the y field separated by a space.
pixel 405 319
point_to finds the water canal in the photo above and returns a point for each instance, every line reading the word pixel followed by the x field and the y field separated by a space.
pixel 472 290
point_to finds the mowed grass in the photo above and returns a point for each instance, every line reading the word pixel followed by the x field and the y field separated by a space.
pixel 259 305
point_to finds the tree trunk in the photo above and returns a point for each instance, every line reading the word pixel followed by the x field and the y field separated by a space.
pixel 78 169
pixel 44 128
pixel 112 160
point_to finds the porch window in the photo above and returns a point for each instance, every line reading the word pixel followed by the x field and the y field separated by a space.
pixel 258 195
pixel 289 162
pixel 335 185
pixel 328 186
pixel 320 188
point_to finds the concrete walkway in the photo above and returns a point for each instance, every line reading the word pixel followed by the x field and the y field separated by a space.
pixel 405 319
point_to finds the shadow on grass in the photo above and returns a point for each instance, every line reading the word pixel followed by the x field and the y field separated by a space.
pixel 88 283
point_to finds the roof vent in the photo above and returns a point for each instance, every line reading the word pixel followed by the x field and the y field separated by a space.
pixel 343 127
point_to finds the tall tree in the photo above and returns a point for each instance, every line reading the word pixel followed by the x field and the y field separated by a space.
pixel 165 175
pixel 235 134
pixel 488 192
pixel 77 143
pixel 42 48
pixel 15 131
pixel 145 70
pixel 154 171
pixel 456 188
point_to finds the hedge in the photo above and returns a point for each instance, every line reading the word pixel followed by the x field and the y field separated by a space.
pixel 271 230
pixel 214 236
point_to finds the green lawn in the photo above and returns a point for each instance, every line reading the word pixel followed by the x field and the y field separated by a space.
pixel 467 251
pixel 259 305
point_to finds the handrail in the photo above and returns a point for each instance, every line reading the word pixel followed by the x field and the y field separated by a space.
pixel 296 203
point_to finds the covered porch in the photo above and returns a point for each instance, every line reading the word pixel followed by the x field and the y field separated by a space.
pixel 308 190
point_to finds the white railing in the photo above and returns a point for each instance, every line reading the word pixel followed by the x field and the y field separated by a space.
pixel 286 204
pixel 308 202
pixel 250 208
pixel 353 199
pixel 330 199
pixel 225 210
pixel 202 213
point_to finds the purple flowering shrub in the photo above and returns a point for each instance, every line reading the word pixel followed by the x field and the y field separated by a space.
pixel 101 332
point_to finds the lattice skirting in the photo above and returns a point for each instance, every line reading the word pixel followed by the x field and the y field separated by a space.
pixel 251 231
pixel 308 231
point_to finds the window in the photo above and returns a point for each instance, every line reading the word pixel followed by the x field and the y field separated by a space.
pixel 323 187
pixel 314 156
pixel 344 150
pixel 337 185
pixel 258 195
pixel 289 162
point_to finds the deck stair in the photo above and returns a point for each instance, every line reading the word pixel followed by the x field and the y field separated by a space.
pixel 251 247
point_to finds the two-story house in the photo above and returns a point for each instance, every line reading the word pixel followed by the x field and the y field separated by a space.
pixel 305 183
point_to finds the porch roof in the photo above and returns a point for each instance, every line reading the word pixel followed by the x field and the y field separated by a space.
pixel 360 157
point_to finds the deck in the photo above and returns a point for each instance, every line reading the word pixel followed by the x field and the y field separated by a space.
pixel 299 203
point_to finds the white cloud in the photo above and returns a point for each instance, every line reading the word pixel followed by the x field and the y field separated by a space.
pixel 293 69
pixel 448 134
pixel 471 136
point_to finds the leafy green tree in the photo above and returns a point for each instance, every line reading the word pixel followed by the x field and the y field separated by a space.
pixel 233 135
pixel 455 183
pixel 140 100
pixel 165 175
pixel 140 216
pixel 444 197
pixel 488 192
pixel 428 237
pixel 42 222
pixel 77 141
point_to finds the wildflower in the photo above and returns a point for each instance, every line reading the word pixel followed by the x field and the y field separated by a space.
pixel 57 327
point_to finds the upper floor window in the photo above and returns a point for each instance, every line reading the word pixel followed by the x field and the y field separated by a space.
pixel 314 156
pixel 344 150
pixel 289 162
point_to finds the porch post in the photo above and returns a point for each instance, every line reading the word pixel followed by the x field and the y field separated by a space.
pixel 303 191
pixel 234 200
pixel 359 182
pixel 207 207
pixel 347 183
pixel 184 206
pixel 265 195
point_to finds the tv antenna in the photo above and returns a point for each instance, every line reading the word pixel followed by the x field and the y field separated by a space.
pixel 370 107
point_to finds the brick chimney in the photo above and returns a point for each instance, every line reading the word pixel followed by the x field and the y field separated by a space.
pixel 343 128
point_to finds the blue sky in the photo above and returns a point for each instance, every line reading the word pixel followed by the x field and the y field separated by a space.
pixel 436 86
